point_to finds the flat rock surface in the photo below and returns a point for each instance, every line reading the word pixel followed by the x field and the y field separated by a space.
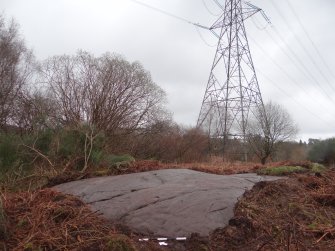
pixel 168 203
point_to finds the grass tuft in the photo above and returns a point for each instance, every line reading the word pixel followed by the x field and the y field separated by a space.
pixel 317 168
pixel 120 243
pixel 281 170
pixel 290 169
pixel 120 161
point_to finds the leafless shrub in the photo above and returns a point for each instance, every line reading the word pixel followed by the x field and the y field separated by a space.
pixel 108 92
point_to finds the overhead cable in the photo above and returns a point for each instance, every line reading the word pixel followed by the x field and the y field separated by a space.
pixel 169 14
pixel 294 60
pixel 218 4
pixel 310 39
pixel 283 70
pixel 308 72
pixel 163 12
pixel 295 100
pixel 303 47
pixel 253 19
pixel 203 39
pixel 209 10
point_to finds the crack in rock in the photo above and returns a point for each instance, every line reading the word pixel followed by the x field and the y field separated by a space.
pixel 159 178
pixel 158 201
pixel 116 196
pixel 217 210
pixel 106 199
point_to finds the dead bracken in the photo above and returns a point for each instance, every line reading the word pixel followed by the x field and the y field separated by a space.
pixel 48 220
pixel 292 214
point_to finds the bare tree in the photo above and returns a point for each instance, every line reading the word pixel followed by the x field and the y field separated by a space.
pixel 16 67
pixel 108 92
pixel 271 125
pixel 34 112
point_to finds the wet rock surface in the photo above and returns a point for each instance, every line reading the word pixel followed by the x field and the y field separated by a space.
pixel 168 203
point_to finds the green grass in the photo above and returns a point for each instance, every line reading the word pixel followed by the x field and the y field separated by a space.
pixel 282 170
pixel 317 168
pixel 120 243
pixel 285 170
pixel 119 161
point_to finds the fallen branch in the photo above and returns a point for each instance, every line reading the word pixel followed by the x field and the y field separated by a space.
pixel 40 154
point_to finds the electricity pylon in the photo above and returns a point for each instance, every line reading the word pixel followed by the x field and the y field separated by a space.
pixel 232 90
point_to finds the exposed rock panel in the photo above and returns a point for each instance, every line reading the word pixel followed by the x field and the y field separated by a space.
pixel 169 203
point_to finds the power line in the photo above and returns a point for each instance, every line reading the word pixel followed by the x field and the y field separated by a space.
pixel 197 25
pixel 282 69
pixel 303 65
pixel 253 19
pixel 218 4
pixel 209 10
pixel 302 46
pixel 294 99
pixel 172 15
pixel 310 39
pixel 163 12
pixel 292 79
pixel 202 38
pixel 297 65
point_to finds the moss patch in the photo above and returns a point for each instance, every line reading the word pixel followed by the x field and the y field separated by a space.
pixel 120 243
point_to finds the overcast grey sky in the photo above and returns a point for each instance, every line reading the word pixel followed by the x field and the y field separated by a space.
pixel 179 58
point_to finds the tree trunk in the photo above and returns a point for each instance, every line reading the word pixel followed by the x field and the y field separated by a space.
pixel 263 159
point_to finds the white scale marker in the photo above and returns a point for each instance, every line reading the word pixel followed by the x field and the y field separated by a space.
pixel 162 241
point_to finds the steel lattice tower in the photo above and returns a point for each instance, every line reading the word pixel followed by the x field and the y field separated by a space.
pixel 232 91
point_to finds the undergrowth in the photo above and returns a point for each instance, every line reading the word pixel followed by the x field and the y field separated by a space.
pixel 290 214
pixel 281 170
pixel 48 220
